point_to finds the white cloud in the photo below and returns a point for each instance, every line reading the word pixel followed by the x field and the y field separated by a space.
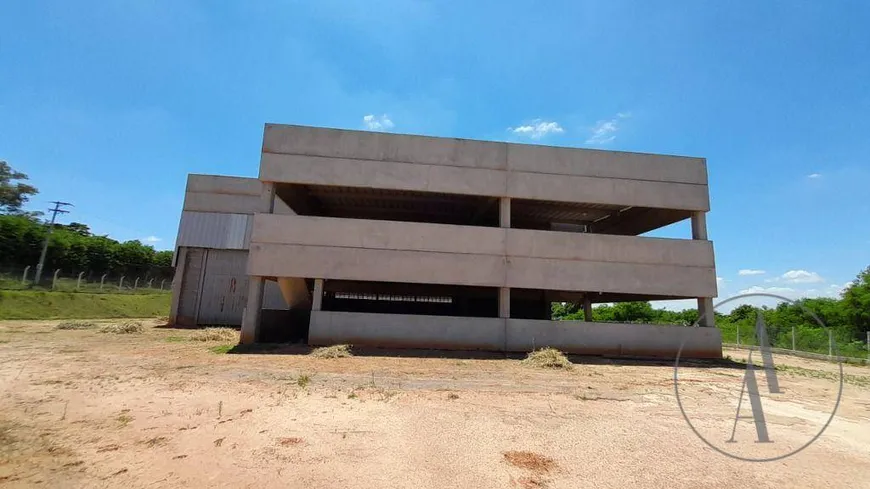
pixel 151 239
pixel 537 129
pixel 604 131
pixel 750 271
pixel 720 279
pixel 801 277
pixel 814 175
pixel 377 123
pixel 783 291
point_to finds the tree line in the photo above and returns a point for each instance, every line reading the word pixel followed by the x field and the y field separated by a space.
pixel 848 317
pixel 72 247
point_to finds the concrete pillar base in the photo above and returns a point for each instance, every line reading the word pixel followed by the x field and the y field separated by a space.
pixel 251 316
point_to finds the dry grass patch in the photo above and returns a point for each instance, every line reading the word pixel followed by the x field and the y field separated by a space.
pixel 216 334
pixel 76 325
pixel 530 461
pixel 129 327
pixel 548 358
pixel 334 351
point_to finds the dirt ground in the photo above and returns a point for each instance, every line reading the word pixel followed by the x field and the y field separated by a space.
pixel 80 408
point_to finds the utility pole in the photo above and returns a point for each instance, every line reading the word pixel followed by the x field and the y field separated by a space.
pixel 54 212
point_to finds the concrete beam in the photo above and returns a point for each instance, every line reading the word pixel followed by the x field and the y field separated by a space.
pixel 424 150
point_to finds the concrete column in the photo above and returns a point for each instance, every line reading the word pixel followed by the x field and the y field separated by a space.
pixel 267 198
pixel 705 304
pixel 587 309
pixel 705 309
pixel 251 317
pixel 504 293
pixel 699 225
pixel 317 300
pixel 504 302
pixel 504 212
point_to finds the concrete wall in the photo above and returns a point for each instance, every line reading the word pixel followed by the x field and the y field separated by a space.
pixel 376 160
pixel 390 251
pixel 406 331
pixel 512 335
pixel 642 340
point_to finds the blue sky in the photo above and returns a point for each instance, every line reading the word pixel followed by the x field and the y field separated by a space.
pixel 110 104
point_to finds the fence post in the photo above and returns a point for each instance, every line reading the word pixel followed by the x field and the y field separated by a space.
pixel 149 283
pixel 121 283
pixel 79 281
pixel 102 279
pixel 164 281
pixel 24 277
pixel 738 335
pixel 136 283
pixel 54 279
pixel 792 340
pixel 868 342
pixel 830 343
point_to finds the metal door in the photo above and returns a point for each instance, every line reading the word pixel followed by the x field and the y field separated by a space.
pixel 224 291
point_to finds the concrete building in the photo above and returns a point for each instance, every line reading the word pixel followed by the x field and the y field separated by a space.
pixel 410 241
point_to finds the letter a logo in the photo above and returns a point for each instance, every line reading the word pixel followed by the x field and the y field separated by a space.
pixel 751 384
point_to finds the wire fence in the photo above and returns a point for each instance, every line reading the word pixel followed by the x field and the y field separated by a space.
pixel 153 281
pixel 830 342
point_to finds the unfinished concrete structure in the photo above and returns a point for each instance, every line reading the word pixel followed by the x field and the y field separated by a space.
pixel 409 241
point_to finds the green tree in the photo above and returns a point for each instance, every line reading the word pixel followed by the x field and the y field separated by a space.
pixel 856 300
pixel 163 259
pixel 13 194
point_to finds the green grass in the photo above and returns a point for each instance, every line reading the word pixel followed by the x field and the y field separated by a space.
pixel 221 349
pixel 28 304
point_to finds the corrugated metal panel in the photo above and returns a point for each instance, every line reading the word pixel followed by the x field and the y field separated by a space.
pixel 190 285
pixel 225 288
pixel 214 230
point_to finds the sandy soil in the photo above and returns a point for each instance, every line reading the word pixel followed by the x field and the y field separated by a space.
pixel 85 409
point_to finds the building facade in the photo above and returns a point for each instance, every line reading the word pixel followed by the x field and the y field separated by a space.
pixel 409 241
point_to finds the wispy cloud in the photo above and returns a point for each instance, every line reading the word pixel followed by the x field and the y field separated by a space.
pixel 151 240
pixel 814 175
pixel 377 123
pixel 750 271
pixel 537 129
pixel 783 291
pixel 801 277
pixel 604 131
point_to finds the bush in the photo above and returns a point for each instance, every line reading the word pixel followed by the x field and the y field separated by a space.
pixel 548 358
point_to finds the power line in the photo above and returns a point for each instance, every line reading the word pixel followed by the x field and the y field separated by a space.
pixel 54 212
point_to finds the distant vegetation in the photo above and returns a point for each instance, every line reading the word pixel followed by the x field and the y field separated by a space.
pixel 72 248
pixel 848 317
